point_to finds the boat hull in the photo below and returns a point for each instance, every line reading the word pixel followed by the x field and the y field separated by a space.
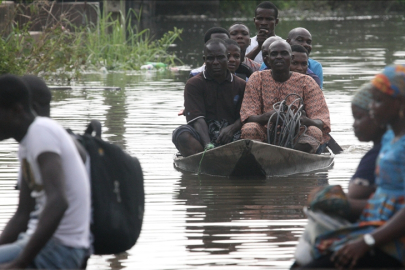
pixel 252 158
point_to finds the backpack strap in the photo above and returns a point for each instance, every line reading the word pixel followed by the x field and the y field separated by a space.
pixel 94 126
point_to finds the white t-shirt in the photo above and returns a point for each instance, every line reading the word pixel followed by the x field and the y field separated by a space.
pixel 46 135
pixel 253 44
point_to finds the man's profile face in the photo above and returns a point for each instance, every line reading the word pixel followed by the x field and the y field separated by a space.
pixel 302 37
pixel 299 62
pixel 280 56
pixel 265 55
pixel 265 49
pixel 216 60
pixel 5 123
pixel 265 19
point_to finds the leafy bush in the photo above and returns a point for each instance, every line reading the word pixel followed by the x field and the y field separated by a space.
pixel 65 54
pixel 115 47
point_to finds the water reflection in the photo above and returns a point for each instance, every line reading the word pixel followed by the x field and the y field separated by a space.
pixel 193 222
pixel 218 201
pixel 245 217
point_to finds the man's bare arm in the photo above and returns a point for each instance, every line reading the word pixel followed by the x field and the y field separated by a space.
pixel 311 122
pixel 261 119
pixel 18 223
pixel 51 170
pixel 262 35
pixel 253 53
pixel 201 127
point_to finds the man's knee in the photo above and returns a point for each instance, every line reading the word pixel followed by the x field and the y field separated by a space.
pixel 184 139
pixel 307 144
pixel 187 144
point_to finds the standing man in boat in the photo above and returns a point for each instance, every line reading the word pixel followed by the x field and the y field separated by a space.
pixel 266 20
pixel 212 101
pixel 301 36
pixel 265 88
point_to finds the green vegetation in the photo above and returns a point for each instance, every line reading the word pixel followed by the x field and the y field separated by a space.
pixel 65 51
pixel 118 48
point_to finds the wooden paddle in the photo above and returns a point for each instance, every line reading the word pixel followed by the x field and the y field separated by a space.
pixel 334 146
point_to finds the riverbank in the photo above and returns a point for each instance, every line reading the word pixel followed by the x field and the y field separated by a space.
pixel 65 50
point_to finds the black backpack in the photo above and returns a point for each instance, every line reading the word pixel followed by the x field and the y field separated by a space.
pixel 117 193
pixel 245 70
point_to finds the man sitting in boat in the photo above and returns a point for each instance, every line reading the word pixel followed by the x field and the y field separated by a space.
pixel 265 88
pixel 299 62
pixel 214 32
pixel 234 62
pixel 301 36
pixel 212 101
pixel 265 52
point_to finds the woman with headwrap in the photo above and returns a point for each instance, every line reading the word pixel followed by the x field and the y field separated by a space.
pixel 377 240
pixel 362 183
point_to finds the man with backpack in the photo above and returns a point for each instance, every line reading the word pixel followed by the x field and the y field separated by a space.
pixel 50 229
pixel 117 191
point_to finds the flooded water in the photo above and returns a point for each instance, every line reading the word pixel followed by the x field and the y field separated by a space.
pixel 196 222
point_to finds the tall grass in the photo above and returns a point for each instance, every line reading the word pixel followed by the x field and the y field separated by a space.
pixel 117 47
pixel 65 54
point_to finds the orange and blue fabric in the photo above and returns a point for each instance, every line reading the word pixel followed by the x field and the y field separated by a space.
pixel 332 200
pixel 388 199
pixel 363 97
pixel 391 81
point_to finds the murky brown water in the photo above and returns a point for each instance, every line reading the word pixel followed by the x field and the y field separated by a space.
pixel 196 222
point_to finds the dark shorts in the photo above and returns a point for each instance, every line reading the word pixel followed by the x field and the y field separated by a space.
pixel 185 128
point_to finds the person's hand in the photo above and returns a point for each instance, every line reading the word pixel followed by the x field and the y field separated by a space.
pixel 304 118
pixel 274 119
pixel 226 135
pixel 262 35
pixel 348 255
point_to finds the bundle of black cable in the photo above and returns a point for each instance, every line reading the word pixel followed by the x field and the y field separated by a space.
pixel 283 127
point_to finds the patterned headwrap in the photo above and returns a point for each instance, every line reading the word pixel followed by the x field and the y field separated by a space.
pixel 363 97
pixel 391 81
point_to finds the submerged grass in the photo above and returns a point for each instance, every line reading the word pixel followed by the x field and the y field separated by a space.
pixel 64 51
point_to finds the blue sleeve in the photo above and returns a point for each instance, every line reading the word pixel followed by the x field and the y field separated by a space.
pixel 316 67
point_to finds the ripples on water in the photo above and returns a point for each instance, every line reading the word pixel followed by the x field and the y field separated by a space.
pixel 194 222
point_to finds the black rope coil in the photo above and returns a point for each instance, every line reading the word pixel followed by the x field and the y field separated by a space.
pixel 284 131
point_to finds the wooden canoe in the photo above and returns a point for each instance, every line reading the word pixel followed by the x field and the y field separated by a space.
pixel 252 158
